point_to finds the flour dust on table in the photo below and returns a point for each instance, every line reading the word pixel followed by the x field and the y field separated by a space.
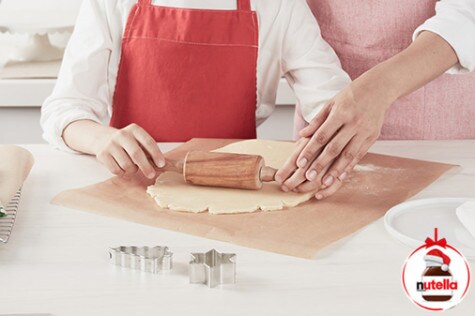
pixel 170 190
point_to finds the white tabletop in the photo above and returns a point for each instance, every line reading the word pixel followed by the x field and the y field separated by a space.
pixel 57 262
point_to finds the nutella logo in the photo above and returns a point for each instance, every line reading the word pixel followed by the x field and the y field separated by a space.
pixel 436 276
pixel 444 284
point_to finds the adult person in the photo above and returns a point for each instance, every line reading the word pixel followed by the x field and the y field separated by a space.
pixel 397 53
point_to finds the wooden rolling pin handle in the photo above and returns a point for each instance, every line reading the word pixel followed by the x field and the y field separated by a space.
pixel 173 165
pixel 268 174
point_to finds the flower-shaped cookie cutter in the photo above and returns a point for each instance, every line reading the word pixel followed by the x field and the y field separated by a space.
pixel 213 268
pixel 148 259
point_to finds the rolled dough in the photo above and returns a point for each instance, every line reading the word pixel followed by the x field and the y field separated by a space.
pixel 170 190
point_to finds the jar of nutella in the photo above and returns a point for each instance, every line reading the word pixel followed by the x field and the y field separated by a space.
pixel 437 283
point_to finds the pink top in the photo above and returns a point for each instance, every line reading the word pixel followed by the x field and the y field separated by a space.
pixel 365 33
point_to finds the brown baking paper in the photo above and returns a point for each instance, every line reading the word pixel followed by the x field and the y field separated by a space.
pixel 15 165
pixel 299 231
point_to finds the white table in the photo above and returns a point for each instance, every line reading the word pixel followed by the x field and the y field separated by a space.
pixel 57 259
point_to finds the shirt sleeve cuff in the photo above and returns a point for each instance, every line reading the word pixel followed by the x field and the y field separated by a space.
pixel 53 133
pixel 311 102
pixel 309 112
pixel 455 31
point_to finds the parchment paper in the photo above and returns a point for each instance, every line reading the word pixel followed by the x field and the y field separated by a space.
pixel 381 183
pixel 15 165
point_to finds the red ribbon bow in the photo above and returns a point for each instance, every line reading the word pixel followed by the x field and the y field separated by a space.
pixel 430 243
pixel 442 243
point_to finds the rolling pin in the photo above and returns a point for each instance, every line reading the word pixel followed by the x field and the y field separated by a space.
pixel 222 170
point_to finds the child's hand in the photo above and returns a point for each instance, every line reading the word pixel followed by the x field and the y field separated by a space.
pixel 127 150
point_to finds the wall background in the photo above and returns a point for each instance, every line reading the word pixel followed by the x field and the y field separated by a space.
pixel 34 13
pixel 62 5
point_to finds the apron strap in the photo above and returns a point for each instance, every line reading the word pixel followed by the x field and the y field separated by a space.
pixel 244 5
pixel 145 2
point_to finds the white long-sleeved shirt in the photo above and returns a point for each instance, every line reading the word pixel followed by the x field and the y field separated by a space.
pixel 454 21
pixel 290 44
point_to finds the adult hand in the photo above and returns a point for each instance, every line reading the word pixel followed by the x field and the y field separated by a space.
pixel 351 122
pixel 296 180
pixel 125 151
pixel 336 140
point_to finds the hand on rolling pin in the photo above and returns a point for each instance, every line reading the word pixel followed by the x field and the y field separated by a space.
pixel 130 149
pixel 123 151
pixel 335 141
pixel 294 179
pixel 351 122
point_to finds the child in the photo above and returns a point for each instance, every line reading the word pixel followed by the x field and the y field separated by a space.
pixel 168 71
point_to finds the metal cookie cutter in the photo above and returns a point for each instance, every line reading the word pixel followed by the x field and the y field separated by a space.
pixel 148 259
pixel 213 268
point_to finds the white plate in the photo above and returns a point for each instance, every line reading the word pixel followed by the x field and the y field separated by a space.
pixel 412 222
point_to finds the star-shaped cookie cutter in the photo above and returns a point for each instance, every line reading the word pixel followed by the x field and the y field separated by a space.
pixel 213 268
pixel 148 259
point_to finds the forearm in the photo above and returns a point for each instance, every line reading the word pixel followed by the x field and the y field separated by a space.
pixel 428 57
pixel 86 136
pixel 341 134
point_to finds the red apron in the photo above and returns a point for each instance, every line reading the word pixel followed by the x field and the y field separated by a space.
pixel 188 73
